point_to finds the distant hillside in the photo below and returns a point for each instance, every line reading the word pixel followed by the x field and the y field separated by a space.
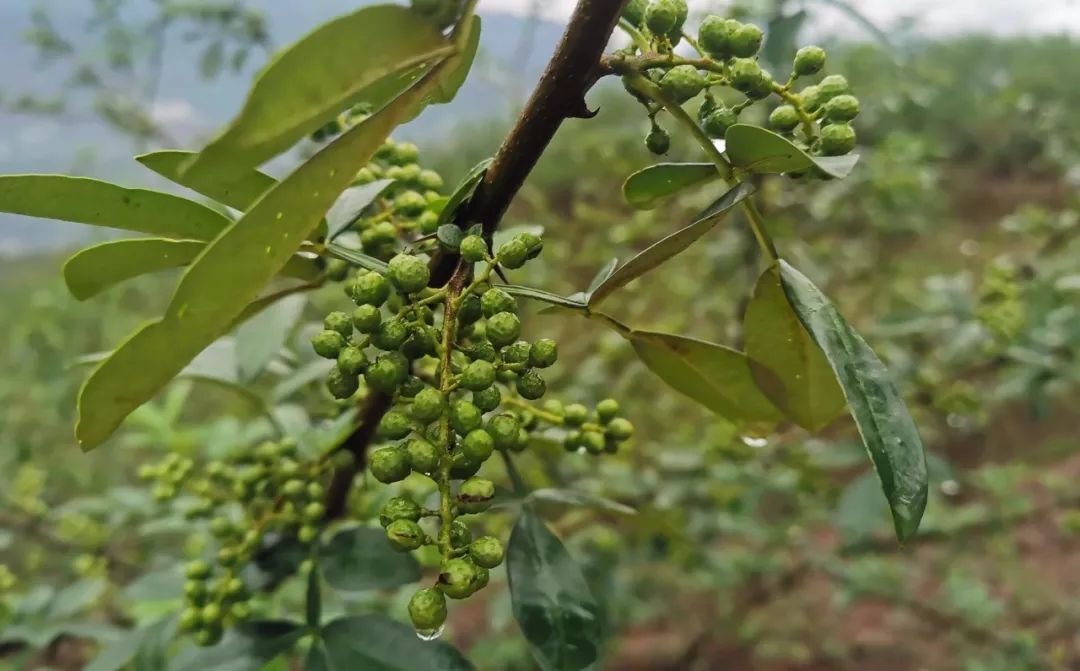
pixel 193 107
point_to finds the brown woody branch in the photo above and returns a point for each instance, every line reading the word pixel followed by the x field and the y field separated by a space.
pixel 559 95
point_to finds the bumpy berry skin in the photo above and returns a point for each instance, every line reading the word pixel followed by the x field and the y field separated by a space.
pixel 328 344
pixel 516 352
pixel 465 417
pixel 473 249
pixel 370 289
pixel 352 361
pixel 478 375
pixel 423 456
pixel 390 335
pixel 592 441
pixel 658 141
pixel 513 254
pixel 837 139
pixel 460 535
pixel 634 12
pixel 390 464
pixel 812 98
pixel 427 609
pixel 366 318
pixel 395 425
pixel 746 41
pixel 543 353
pixel 428 405
pixel 409 273
pixel 486 552
pixel 715 35
pixel 661 16
pixel 746 75
pixel 719 120
pixel 410 203
pixel 399 508
pixel 494 301
pixel 620 429
pixel 478 445
pixel 681 83
pixel 341 385
pixel 530 385
pixel 457 579
pixel 832 86
pixel 784 118
pixel 488 399
pixel 388 371
pixel 842 108
pixel 503 328
pixel 340 322
pixel 404 535
pixel 575 414
pixel 809 61
pixel 475 495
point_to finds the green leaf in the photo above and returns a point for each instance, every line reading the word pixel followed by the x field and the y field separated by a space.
pixel 90 201
pixel 647 188
pixel 246 647
pixel 317 659
pixel 238 190
pixel 360 559
pixel 351 203
pixel 375 643
pixel 664 249
pixel 449 236
pixel 313 601
pixel 457 66
pixel 543 296
pixel 572 497
pixel 324 73
pixel 551 599
pixel 464 191
pixel 808 394
pixel 602 276
pixel 886 427
pixel 755 149
pixel 260 338
pixel 357 258
pixel 229 275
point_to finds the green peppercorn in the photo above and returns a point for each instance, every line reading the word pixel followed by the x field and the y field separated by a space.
pixel 572 440
pixel 314 511
pixel 748 77
pixel 504 430
pixel 428 222
pixel 428 405
pixel 420 342
pixel 531 385
pixel 352 360
pixel 465 417
pixel 517 352
pixel 513 254
pixel 832 86
pixel 457 578
pixel 681 83
pixel 620 429
pixel 409 273
pixel 340 322
pixel 483 351
pixel 503 328
pixel 328 344
pixel 473 249
pixel 658 141
pixel 837 139
pixel 340 384
pixel 784 118
pixel 364 176
pixel 399 508
pixel 190 619
pixel 716 34
pixel 395 425
pixel 478 375
pixel 463 466
pixel 387 372
pixel 487 399
pixel 366 318
pixel 427 609
pixel 494 301
pixel 842 108
pixel 390 464
pixel 404 535
pixel 411 387
pixel 240 612
pixel 812 98
pixel 634 12
pixel 475 495
pixel 719 120
pixel 370 289
pixel 486 552
pixel 390 334
pixel 534 243
pixel 470 309
pixel 543 353
pixel 478 445
pixel 209 635
pixel 746 41
pixel 423 456
pixel 809 61
pixel 607 409
pixel 592 441
pixel 308 533
pixel 197 570
pixel 575 414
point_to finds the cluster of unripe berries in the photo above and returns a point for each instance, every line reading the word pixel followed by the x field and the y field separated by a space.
pixel 817 118
pixel 278 493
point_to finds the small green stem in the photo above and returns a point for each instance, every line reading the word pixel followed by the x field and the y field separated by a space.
pixel 636 35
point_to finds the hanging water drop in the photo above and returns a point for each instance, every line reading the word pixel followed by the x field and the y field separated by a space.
pixel 430 634
pixel 754 441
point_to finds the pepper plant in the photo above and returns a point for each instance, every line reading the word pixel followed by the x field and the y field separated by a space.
pixel 430 373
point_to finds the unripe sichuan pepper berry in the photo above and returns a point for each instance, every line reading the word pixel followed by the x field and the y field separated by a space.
pixel 530 385
pixel 366 318
pixel 340 322
pixel 747 76
pixel 475 495
pixel 513 254
pixel 809 61
pixel 746 41
pixel 543 353
pixel 465 417
pixel 634 12
pixel 658 141
pixel 837 139
pixel 427 609
pixel 516 352
pixel 494 301
pixel 457 579
pixel 409 273
pixel 404 535
pixel 370 289
pixel 661 16
pixel 352 360
pixel 681 83
pixel 784 118
pixel 478 445
pixel 399 508
pixel 715 35
pixel 832 86
pixel 395 425
pixel 503 328
pixel 487 399
pixel 486 551
pixel 478 375
pixel 473 249
pixel 423 456
pixel 504 430
pixel 607 409
pixel 719 120
pixel 341 385
pixel 328 344
pixel 840 109
pixel 428 405
pixel 390 464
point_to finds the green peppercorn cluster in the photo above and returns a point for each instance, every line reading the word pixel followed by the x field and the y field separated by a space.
pixel 278 493
pixel 817 118
pixel 462 383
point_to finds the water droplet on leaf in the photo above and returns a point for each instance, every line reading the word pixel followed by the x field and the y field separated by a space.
pixel 430 634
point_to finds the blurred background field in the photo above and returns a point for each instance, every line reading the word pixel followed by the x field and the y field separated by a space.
pixel 953 247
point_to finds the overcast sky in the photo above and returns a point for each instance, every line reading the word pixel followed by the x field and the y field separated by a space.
pixel 938 16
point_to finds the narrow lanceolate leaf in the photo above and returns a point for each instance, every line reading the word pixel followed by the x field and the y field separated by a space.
pixel 755 149
pixel 357 258
pixel 552 602
pixel 351 203
pixel 246 647
pixel 238 190
pixel 886 427
pixel 314 80
pixel 717 377
pixel 673 244
pixel 375 643
pixel 457 66
pixel 602 276
pixel 94 269
pixel 464 190
pixel 808 392
pixel 647 188
pixel 259 339
pixel 543 296
pixel 90 201
pixel 229 275
pixel 360 559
